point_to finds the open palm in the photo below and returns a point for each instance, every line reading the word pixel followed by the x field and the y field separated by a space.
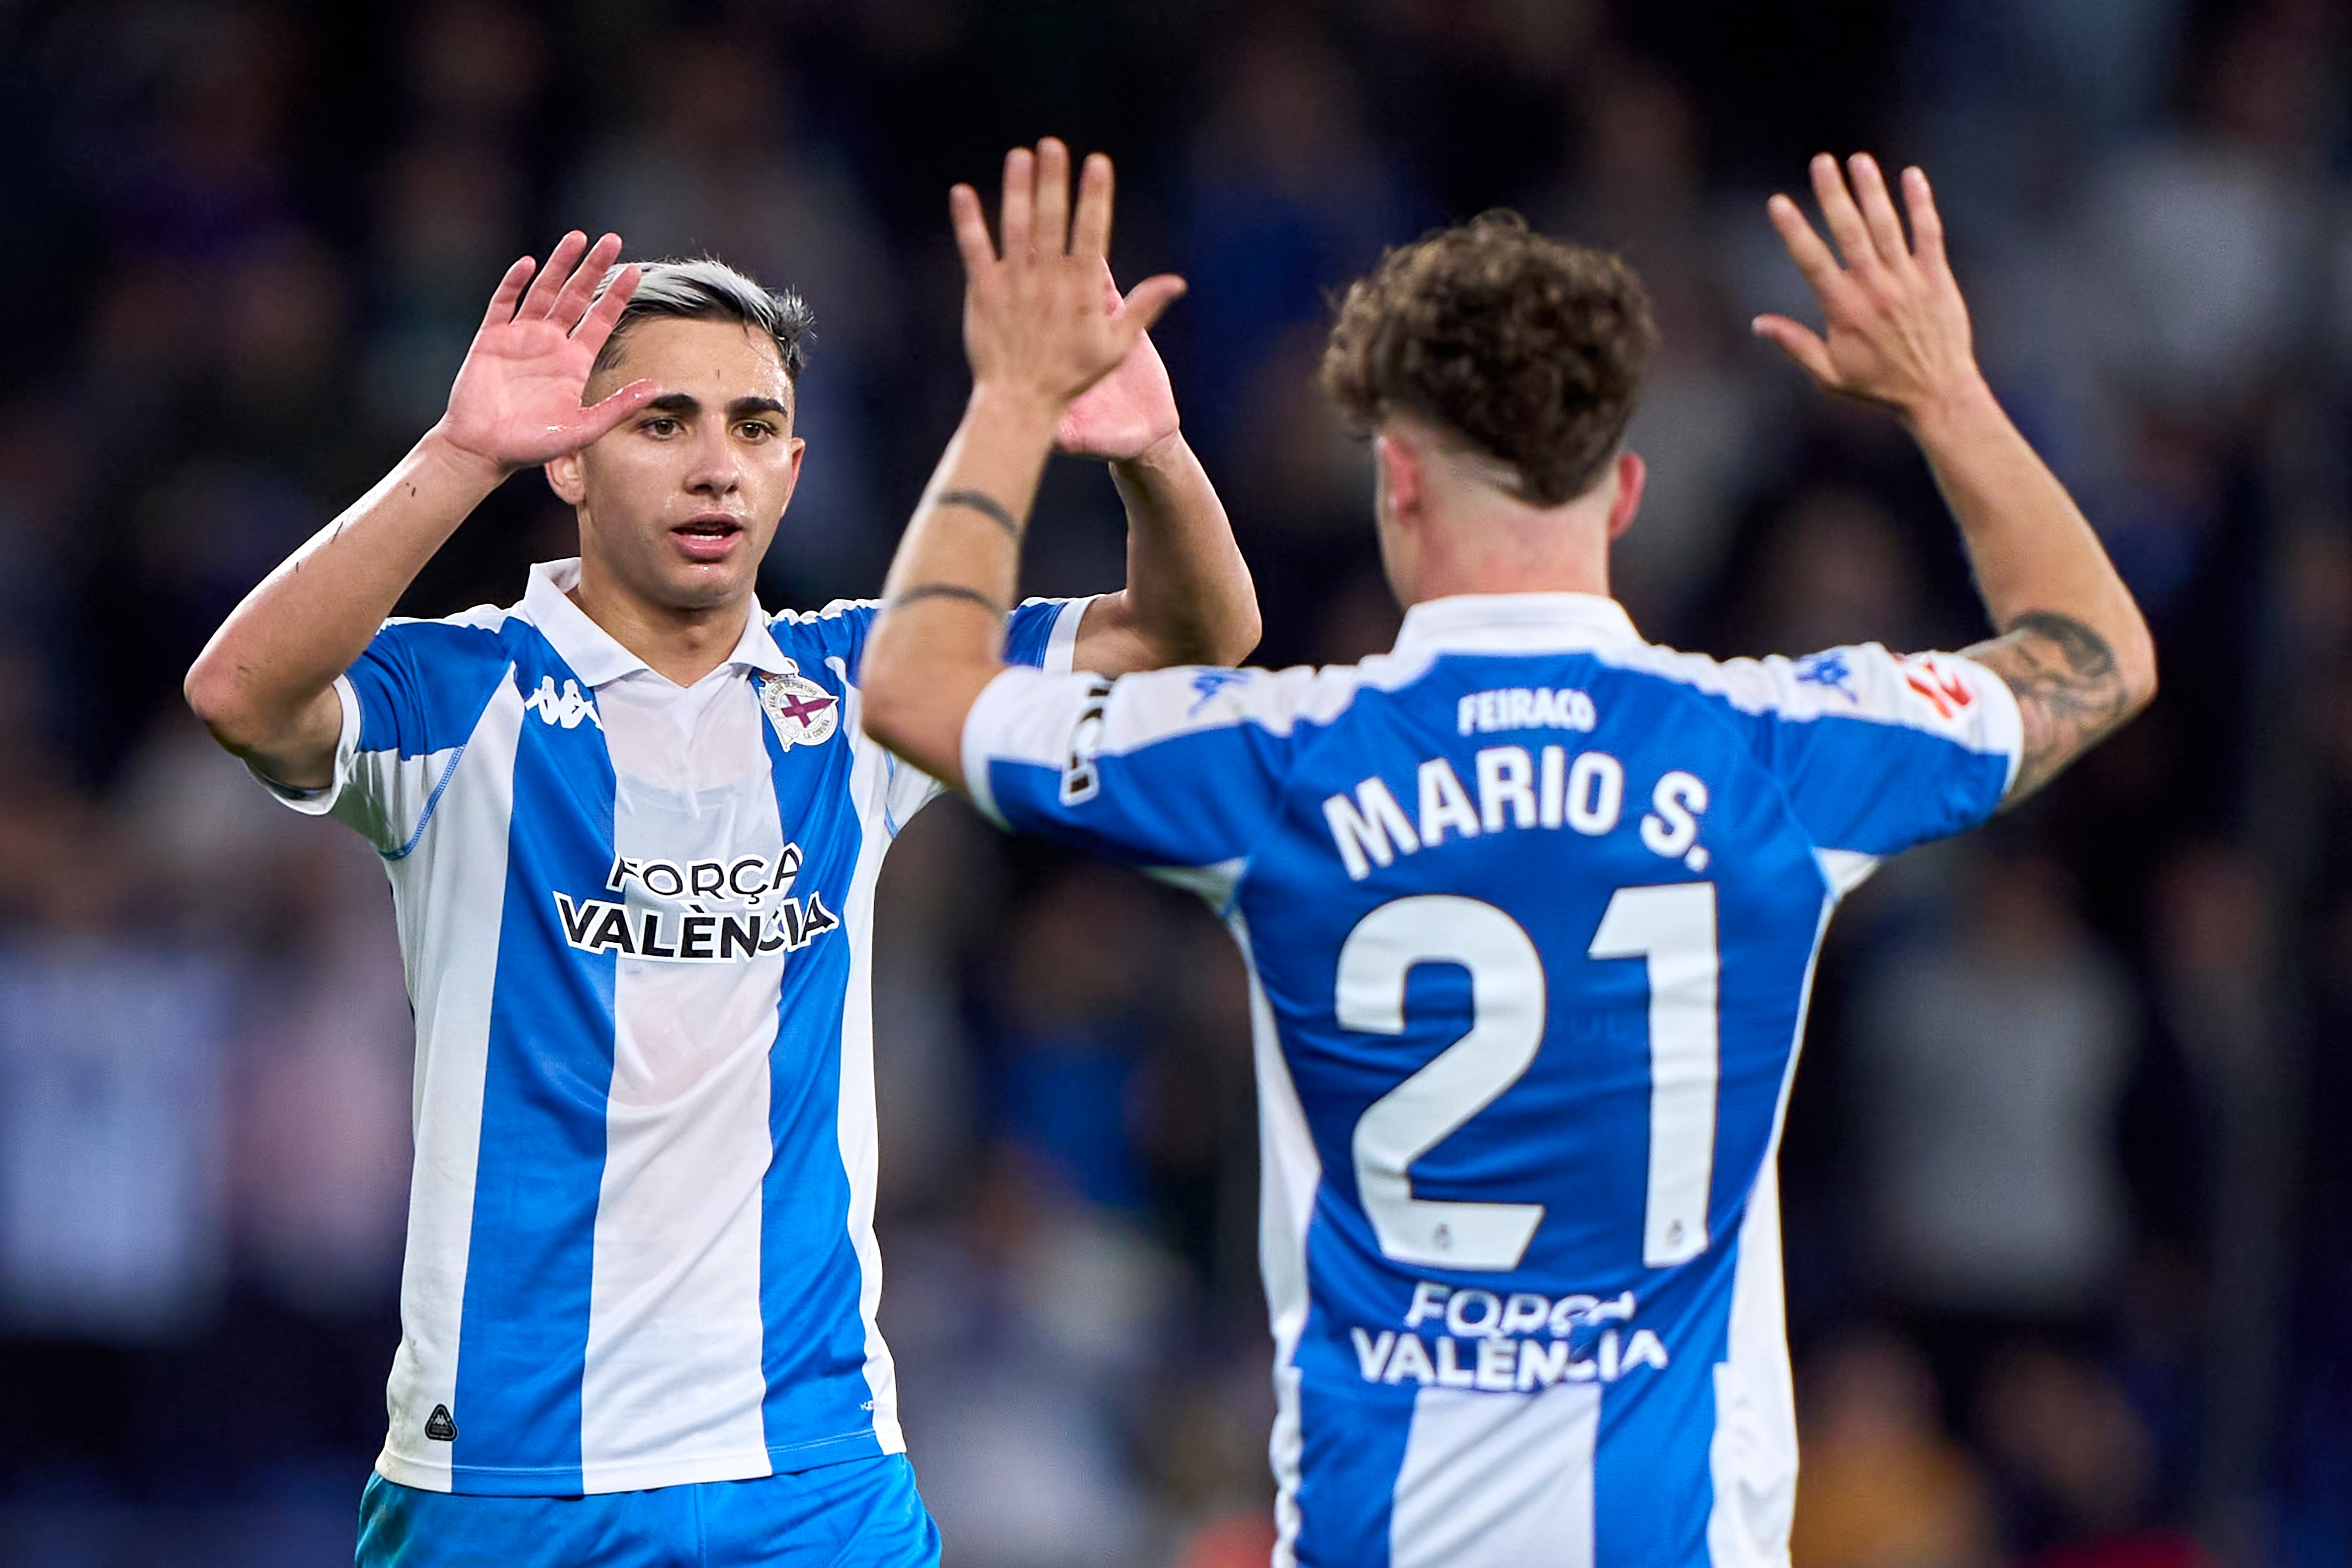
pixel 516 401
pixel 1127 412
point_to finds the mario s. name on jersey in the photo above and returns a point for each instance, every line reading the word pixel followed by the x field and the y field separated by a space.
pixel 698 912
pixel 1511 787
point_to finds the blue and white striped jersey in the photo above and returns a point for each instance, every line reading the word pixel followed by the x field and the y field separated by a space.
pixel 1530 909
pixel 635 920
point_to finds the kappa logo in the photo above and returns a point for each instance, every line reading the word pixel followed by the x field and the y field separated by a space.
pixel 802 713
pixel 566 709
pixel 1828 671
pixel 1207 683
pixel 440 1426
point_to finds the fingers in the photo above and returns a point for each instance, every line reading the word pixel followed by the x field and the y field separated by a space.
pixel 1147 299
pixel 541 300
pixel 572 299
pixel 1927 222
pixel 597 324
pixel 509 293
pixel 1878 210
pixel 1091 234
pixel 1801 343
pixel 1049 231
pixel 1846 227
pixel 599 420
pixel 1805 248
pixel 971 226
pixel 1014 218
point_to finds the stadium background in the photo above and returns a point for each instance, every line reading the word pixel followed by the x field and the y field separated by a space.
pixel 2067 1176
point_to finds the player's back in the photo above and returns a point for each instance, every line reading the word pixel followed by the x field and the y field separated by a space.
pixel 1531 908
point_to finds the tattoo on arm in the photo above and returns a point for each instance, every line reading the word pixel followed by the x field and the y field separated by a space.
pixel 987 505
pixel 945 591
pixel 2069 693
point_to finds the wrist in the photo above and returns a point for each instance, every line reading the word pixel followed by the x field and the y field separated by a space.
pixel 460 463
pixel 1963 401
pixel 1015 408
pixel 1156 461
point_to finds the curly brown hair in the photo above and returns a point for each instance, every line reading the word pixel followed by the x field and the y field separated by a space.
pixel 1529 349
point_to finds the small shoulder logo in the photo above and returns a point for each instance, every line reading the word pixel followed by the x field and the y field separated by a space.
pixel 802 713
pixel 1207 683
pixel 1926 675
pixel 566 709
pixel 439 1426
pixel 1829 670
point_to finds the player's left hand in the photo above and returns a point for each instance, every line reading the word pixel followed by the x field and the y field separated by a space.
pixel 1129 412
pixel 1036 320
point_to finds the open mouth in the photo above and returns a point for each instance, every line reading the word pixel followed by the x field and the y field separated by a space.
pixel 705 536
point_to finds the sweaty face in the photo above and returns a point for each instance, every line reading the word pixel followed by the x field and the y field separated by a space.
pixel 679 503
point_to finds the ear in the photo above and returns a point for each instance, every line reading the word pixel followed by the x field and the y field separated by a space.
pixel 1399 472
pixel 564 479
pixel 1631 475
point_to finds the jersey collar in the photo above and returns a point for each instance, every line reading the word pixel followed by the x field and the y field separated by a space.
pixel 591 651
pixel 1506 622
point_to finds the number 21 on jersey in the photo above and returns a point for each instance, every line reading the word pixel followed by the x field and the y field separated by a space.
pixel 1671 928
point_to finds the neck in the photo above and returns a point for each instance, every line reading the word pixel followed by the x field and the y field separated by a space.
pixel 682 645
pixel 1504 547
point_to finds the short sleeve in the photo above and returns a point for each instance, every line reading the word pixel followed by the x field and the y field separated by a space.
pixel 409 705
pixel 1877 752
pixel 1169 769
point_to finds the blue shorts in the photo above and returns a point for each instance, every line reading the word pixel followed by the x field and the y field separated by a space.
pixel 864 1513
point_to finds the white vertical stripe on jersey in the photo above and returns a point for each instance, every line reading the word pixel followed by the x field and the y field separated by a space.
pixel 869 787
pixel 1497 1480
pixel 1753 1458
pixel 672 1383
pixel 458 873
pixel 1291 1172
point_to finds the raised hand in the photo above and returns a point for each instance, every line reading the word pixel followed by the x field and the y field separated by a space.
pixel 1897 330
pixel 1127 412
pixel 516 401
pixel 1036 320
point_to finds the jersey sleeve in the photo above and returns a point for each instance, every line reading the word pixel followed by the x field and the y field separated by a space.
pixel 409 705
pixel 1877 752
pixel 1174 770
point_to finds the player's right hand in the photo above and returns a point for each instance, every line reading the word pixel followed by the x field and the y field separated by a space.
pixel 516 401
pixel 1897 330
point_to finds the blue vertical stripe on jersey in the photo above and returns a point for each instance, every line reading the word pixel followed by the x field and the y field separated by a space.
pixel 524 1342
pixel 1653 1485
pixel 1355 1435
pixel 814 1353
pixel 423 685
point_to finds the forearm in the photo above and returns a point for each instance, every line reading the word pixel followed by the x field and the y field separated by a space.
pixel 2031 548
pixel 942 635
pixel 1189 597
pixel 2072 644
pixel 259 682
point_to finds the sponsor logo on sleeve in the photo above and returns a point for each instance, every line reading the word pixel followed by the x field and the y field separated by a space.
pixel 1946 688
pixel 1081 773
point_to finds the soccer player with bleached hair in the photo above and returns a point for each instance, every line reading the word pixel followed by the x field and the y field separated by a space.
pixel 1530 905
pixel 632 823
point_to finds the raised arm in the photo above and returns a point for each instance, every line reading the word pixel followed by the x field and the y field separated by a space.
pixel 1189 598
pixel 1039 331
pixel 2072 644
pixel 264 684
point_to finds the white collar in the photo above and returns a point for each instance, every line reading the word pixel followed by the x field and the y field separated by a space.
pixel 591 652
pixel 1514 621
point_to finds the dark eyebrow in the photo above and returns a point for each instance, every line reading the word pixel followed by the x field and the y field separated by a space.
pixel 674 403
pixel 684 403
pixel 744 406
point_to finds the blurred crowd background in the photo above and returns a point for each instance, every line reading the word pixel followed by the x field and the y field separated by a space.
pixel 2067 1173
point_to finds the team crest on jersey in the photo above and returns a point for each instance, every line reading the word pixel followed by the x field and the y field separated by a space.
pixel 802 713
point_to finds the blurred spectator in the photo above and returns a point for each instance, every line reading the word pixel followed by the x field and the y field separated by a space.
pixel 2077 1465
pixel 1882 1486
pixel 1989 1066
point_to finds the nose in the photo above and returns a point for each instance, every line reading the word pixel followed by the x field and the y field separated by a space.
pixel 713 470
